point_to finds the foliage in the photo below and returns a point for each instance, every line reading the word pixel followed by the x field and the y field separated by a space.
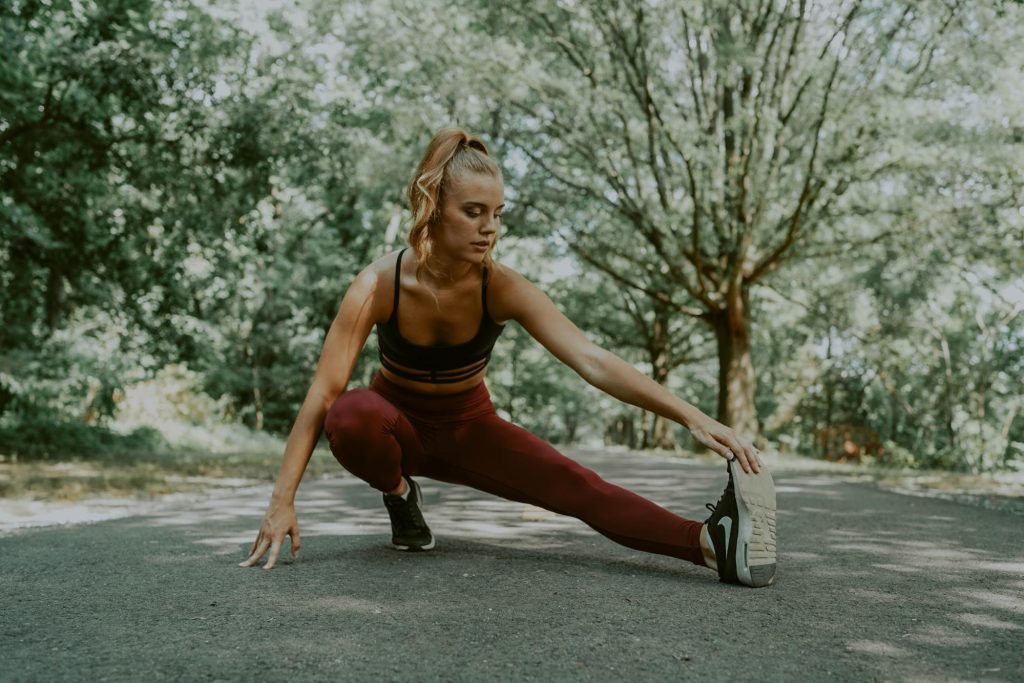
pixel 796 216
pixel 44 438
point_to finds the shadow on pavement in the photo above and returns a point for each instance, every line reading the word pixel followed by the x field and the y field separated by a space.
pixel 871 586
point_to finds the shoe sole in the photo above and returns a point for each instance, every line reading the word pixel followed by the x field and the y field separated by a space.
pixel 755 545
pixel 413 548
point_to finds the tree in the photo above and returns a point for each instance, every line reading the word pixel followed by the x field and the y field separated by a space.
pixel 642 331
pixel 717 142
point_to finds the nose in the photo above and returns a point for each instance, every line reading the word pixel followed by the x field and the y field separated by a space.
pixel 491 227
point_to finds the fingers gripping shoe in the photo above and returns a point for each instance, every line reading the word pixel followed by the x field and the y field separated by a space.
pixel 742 528
pixel 409 531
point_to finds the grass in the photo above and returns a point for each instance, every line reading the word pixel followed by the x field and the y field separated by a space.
pixel 147 474
pixel 144 475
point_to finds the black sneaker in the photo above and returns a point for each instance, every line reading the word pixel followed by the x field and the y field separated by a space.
pixel 409 531
pixel 742 528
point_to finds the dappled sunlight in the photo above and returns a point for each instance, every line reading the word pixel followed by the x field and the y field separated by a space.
pixel 875 647
pixel 20 514
pixel 1015 568
pixel 897 587
pixel 344 603
pixel 800 216
pixel 896 567
pixel 875 595
pixel 798 556
pixel 915 582
pixel 943 636
pixel 343 505
pixel 986 621
pixel 1007 601
pixel 920 555
pixel 868 548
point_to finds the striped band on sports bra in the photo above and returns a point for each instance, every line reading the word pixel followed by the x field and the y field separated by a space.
pixel 435 376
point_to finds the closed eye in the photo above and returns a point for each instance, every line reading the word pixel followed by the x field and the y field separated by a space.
pixel 476 209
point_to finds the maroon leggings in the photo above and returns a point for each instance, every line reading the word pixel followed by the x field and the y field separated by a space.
pixel 382 432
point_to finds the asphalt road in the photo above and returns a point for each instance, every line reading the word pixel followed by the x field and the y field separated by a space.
pixel 872 586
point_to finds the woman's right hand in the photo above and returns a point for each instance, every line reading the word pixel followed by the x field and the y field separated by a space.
pixel 727 443
pixel 280 521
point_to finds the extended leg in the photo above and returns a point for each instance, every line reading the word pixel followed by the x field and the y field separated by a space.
pixel 496 456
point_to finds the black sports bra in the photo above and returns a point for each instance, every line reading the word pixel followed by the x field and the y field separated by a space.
pixel 441 364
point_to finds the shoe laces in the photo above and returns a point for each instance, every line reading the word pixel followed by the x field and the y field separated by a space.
pixel 729 491
pixel 406 511
pixel 714 508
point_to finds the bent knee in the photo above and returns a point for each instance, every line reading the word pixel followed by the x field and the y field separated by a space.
pixel 353 410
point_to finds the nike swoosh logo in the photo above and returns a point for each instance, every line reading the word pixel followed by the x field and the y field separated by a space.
pixel 726 523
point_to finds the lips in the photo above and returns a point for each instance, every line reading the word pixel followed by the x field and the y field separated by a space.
pixel 482 244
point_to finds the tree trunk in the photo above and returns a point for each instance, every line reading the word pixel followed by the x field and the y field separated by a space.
pixel 257 397
pixel 258 402
pixel 54 299
pixel 658 431
pixel 512 387
pixel 620 431
pixel 894 414
pixel 572 422
pixel 660 434
pixel 645 429
pixel 830 390
pixel 947 393
pixel 89 415
pixel 735 370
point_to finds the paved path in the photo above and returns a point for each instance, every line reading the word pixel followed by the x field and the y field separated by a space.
pixel 872 586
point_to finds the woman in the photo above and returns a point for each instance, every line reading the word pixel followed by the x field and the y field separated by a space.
pixel 427 411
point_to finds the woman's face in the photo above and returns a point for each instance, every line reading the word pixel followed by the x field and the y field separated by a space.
pixel 471 212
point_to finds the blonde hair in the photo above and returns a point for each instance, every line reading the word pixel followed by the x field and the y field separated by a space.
pixel 452 153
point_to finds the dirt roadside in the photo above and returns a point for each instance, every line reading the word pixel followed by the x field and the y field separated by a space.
pixel 80 492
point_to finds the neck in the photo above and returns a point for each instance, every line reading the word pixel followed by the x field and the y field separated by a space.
pixel 452 271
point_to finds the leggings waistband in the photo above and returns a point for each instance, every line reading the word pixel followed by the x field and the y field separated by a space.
pixel 461 405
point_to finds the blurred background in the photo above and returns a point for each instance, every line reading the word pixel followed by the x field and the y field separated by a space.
pixel 805 218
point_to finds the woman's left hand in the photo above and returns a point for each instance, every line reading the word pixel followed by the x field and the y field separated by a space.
pixel 724 441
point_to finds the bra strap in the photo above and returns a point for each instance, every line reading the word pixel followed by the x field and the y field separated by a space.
pixel 484 294
pixel 398 272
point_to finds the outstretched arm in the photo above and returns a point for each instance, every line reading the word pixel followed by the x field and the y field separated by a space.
pixel 534 310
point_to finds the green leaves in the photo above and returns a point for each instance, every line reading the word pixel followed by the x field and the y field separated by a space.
pixel 835 184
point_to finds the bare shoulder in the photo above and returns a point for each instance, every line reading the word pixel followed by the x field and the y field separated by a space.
pixel 374 285
pixel 517 298
pixel 384 265
pixel 364 303
pixel 508 290
pixel 503 275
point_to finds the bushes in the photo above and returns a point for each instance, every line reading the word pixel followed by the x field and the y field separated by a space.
pixel 32 438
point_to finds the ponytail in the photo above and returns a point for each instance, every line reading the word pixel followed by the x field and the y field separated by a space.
pixel 451 153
